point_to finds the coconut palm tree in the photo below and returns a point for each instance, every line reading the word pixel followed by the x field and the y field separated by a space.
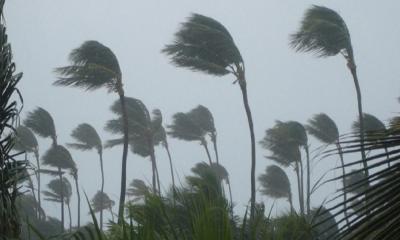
pixel 87 139
pixel 275 183
pixel 205 120
pixel 60 191
pixel 324 32
pixel 143 130
pixel 203 44
pixel 101 201
pixel 94 66
pixel 374 130
pixel 59 157
pixel 184 128
pixel 323 128
pixel 27 142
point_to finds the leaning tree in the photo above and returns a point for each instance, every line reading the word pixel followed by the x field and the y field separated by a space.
pixel 94 66
pixel 204 44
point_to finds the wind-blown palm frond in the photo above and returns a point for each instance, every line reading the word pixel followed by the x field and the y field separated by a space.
pixel 59 157
pixel 101 201
pixel 25 140
pixel 373 127
pixel 138 190
pixel 203 118
pixel 323 32
pixel 322 127
pixel 275 183
pixel 58 188
pixel 93 66
pixel 206 178
pixel 87 138
pixel 41 122
pixel 204 44
pixel 184 128
pixel 356 182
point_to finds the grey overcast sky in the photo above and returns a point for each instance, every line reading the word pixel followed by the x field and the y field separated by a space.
pixel 282 85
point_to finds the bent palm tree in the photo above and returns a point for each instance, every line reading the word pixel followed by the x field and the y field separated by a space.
pixel 203 44
pixel 59 157
pixel 101 201
pixel 324 32
pixel 60 192
pixel 94 66
pixel 184 128
pixel 205 120
pixel 87 138
pixel 275 183
pixel 323 128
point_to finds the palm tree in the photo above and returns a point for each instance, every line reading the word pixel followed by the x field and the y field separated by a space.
pixel 323 128
pixel 374 130
pixel 59 157
pixel 205 120
pixel 41 122
pixel 275 183
pixel 74 174
pixel 60 191
pixel 324 32
pixel 102 201
pixel 184 128
pixel 138 190
pixel 27 142
pixel 87 139
pixel 203 44
pixel 94 66
pixel 143 130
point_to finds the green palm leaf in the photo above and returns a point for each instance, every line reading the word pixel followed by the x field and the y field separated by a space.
pixel 41 122
pixel 59 157
pixel 275 183
pixel 25 140
pixel 87 138
pixel 322 127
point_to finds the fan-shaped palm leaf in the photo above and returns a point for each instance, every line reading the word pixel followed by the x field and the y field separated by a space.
pixel 93 65
pixel 324 32
pixel 41 122
pixel 58 157
pixel 203 44
pixel 138 190
pixel 373 127
pixel 101 201
pixel 25 140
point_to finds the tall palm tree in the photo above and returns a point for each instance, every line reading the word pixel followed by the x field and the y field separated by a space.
pixel 60 191
pixel 374 130
pixel 143 130
pixel 205 120
pixel 59 157
pixel 323 128
pixel 276 184
pixel 184 128
pixel 324 32
pixel 94 66
pixel 101 201
pixel 203 44
pixel 27 142
pixel 87 139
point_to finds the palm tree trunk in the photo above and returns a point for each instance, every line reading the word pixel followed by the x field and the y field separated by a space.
pixel 308 180
pixel 214 141
pixel 62 201
pixel 290 202
pixel 153 168
pixel 70 218
pixel 38 182
pixel 243 87
pixel 302 183
pixel 170 165
pixel 112 214
pixel 230 195
pixel 297 169
pixel 387 156
pixel 339 148
pixel 204 143
pixel 124 158
pixel 31 186
pixel 102 189
pixel 79 199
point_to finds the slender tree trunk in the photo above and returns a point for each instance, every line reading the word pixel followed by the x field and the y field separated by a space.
pixel 214 141
pixel 112 214
pixel 62 201
pixel 170 165
pixel 204 143
pixel 70 218
pixel 31 185
pixel 308 180
pixel 102 189
pixel 387 156
pixel 79 198
pixel 153 167
pixel 243 87
pixel 38 182
pixel 124 158
pixel 297 169
pixel 290 202
pixel 302 184
pixel 339 148
pixel 230 195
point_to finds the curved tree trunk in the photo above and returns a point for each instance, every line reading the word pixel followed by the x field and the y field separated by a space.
pixel 214 141
pixel 170 165
pixel 298 175
pixel 79 199
pixel 308 180
pixel 124 158
pixel 62 201
pixel 102 189
pixel 243 87
pixel 204 143
pixel 38 182
pixel 70 218
pixel 339 148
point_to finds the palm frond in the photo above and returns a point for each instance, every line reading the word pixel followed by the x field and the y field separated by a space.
pixel 374 128
pixel 138 189
pixel 101 201
pixel 275 183
pixel 25 140
pixel 203 44
pixel 322 127
pixel 184 128
pixel 93 66
pixel 59 157
pixel 87 138
pixel 203 118
pixel 41 123
pixel 57 189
